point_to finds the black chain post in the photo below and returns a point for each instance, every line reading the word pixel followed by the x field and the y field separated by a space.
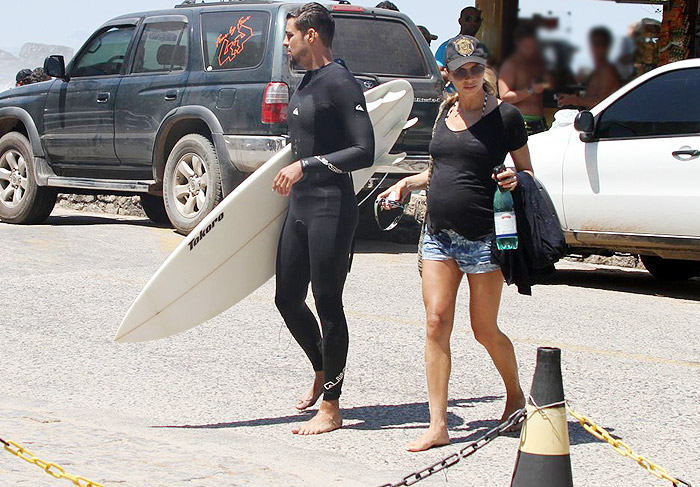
pixel 465 452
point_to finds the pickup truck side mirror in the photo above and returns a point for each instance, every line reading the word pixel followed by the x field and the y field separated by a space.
pixel 55 66
pixel 585 124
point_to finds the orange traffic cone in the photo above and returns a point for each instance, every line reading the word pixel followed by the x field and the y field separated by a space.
pixel 543 455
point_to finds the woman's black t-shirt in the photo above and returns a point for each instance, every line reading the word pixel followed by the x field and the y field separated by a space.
pixel 461 188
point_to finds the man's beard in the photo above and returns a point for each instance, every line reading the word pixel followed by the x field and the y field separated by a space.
pixel 296 61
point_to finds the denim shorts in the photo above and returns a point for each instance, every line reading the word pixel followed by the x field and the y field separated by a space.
pixel 471 256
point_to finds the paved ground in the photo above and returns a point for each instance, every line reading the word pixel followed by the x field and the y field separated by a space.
pixel 211 407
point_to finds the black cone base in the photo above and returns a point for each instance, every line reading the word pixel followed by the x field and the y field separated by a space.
pixel 542 471
pixel 543 457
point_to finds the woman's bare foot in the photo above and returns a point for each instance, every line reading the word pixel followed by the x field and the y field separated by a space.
pixel 433 437
pixel 512 405
pixel 312 396
pixel 327 419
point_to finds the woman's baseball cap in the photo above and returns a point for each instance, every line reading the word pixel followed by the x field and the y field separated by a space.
pixel 464 49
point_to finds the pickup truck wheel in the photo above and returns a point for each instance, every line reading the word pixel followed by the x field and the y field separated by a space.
pixel 154 207
pixel 671 269
pixel 22 200
pixel 191 182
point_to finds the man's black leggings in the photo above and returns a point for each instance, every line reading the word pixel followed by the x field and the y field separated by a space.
pixel 315 248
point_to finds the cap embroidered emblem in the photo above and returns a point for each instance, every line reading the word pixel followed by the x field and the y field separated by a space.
pixel 465 46
pixel 296 111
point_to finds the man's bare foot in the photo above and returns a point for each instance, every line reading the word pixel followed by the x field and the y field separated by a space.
pixel 327 419
pixel 312 396
pixel 512 405
pixel 433 437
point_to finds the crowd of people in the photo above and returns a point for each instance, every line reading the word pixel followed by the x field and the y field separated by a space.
pixel 523 78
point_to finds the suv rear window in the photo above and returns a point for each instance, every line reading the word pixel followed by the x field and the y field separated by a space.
pixel 162 48
pixel 234 40
pixel 378 46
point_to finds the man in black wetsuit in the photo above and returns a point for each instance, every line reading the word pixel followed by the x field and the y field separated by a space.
pixel 331 135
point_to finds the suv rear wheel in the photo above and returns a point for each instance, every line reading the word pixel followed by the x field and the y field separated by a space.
pixel 22 200
pixel 154 207
pixel 191 182
pixel 671 269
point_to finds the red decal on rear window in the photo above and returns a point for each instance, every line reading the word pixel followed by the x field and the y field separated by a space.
pixel 232 43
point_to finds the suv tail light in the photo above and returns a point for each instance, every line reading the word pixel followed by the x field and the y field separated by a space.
pixel 275 102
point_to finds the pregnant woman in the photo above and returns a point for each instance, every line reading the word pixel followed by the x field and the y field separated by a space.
pixel 473 134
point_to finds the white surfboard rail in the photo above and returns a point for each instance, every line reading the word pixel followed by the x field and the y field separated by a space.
pixel 232 252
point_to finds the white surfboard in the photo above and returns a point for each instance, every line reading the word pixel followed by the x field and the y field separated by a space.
pixel 232 252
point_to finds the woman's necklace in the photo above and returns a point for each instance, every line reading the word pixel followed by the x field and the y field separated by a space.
pixel 483 109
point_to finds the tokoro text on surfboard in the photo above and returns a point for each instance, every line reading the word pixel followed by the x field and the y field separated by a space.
pixel 203 232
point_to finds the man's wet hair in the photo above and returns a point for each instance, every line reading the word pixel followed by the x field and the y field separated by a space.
pixel 388 6
pixel 317 17
pixel 602 33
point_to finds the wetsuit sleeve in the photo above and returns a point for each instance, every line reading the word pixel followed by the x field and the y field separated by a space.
pixel 347 99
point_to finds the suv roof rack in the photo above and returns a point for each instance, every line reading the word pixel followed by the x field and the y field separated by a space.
pixel 202 3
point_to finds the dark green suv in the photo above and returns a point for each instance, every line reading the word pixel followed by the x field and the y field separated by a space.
pixel 179 106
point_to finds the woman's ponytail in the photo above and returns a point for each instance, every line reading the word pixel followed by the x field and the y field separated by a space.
pixel 490 81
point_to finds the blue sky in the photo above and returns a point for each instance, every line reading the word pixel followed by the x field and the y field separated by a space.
pixel 70 22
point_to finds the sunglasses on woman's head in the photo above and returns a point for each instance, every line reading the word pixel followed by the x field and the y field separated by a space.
pixel 472 72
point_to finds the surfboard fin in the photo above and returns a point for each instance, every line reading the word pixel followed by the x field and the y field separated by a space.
pixel 390 159
pixel 410 123
pixel 388 98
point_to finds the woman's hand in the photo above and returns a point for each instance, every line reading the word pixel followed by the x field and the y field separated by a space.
pixel 507 180
pixel 287 178
pixel 397 192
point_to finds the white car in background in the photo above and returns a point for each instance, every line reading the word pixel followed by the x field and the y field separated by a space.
pixel 625 176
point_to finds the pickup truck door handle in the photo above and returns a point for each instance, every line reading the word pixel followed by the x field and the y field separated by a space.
pixel 686 152
pixel 103 97
pixel 171 95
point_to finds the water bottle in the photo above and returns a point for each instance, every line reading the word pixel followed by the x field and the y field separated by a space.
pixel 504 217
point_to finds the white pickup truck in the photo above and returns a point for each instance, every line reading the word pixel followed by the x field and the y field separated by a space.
pixel 625 176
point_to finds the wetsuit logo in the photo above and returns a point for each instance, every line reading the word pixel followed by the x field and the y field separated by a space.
pixel 331 384
pixel 359 108
pixel 330 166
pixel 296 111
pixel 203 233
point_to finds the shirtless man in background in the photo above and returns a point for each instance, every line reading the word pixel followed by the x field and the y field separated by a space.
pixel 521 79
pixel 604 80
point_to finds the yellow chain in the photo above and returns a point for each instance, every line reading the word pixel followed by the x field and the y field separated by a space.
pixel 50 468
pixel 623 448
